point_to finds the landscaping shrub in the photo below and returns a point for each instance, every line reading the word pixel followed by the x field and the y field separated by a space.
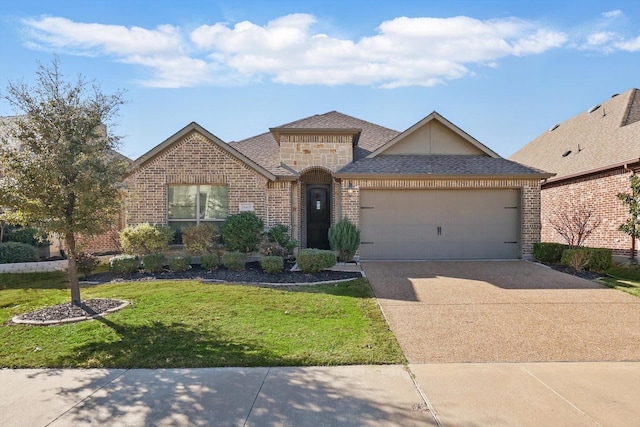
pixel 600 259
pixel 86 263
pixel 153 263
pixel 315 260
pixel 576 258
pixel 209 261
pixel 242 232
pixel 200 239
pixel 273 249
pixel 145 239
pixel 123 264
pixel 344 238
pixel 29 235
pixel 272 264
pixel 234 260
pixel 548 252
pixel 179 263
pixel 279 234
pixel 12 252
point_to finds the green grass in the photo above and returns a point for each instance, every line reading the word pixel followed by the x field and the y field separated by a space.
pixel 625 278
pixel 190 324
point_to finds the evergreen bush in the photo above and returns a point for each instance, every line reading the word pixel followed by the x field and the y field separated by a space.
pixel 315 260
pixel 13 252
pixel 242 232
pixel 153 263
pixel 272 264
pixel 576 258
pixel 123 264
pixel 344 238
pixel 209 261
pixel 279 234
pixel 548 252
pixel 600 259
pixel 234 260
pixel 179 263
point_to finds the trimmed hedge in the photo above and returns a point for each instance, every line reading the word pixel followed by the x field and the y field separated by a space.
pixel 593 259
pixel 234 260
pixel 145 239
pixel 548 252
pixel 315 260
pixel 576 258
pixel 242 232
pixel 124 264
pixel 179 263
pixel 13 252
pixel 272 264
pixel 153 263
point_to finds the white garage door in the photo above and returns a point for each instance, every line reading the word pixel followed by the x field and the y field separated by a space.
pixel 440 224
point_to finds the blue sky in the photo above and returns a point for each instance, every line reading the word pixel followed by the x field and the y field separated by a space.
pixel 504 71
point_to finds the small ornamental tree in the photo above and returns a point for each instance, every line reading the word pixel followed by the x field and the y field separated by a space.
pixel 632 201
pixel 60 173
pixel 575 221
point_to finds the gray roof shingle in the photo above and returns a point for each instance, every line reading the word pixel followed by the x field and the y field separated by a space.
pixel 593 140
pixel 453 165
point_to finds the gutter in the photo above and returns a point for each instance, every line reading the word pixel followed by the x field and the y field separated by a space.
pixel 348 175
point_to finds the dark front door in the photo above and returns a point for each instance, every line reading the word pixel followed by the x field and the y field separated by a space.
pixel 318 216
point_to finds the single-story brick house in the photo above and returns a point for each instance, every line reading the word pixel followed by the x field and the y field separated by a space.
pixel 430 192
pixel 593 155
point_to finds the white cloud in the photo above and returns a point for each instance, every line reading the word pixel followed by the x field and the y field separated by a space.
pixel 403 51
pixel 613 14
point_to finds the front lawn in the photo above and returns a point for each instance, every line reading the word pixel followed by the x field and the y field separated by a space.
pixel 191 324
pixel 625 278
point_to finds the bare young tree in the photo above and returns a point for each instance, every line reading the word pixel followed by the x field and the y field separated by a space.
pixel 632 201
pixel 62 175
pixel 575 221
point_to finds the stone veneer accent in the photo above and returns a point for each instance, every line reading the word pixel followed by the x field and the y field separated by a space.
pixel 196 160
pixel 599 191
pixel 530 199
pixel 300 152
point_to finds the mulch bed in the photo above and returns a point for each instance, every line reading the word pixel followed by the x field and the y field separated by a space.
pixel 585 274
pixel 252 274
pixel 67 311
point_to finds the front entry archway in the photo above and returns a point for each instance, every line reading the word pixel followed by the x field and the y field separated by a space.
pixel 318 215
pixel 317 207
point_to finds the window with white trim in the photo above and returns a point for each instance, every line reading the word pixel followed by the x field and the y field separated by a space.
pixel 194 204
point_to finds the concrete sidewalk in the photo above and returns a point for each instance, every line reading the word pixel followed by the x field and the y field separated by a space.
pixel 500 394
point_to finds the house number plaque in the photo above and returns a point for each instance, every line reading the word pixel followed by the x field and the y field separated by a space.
pixel 245 207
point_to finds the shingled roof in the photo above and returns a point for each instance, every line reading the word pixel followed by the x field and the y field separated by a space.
pixel 439 165
pixel 264 149
pixel 606 135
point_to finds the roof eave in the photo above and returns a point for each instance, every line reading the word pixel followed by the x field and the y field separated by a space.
pixel 347 175
pixel 625 164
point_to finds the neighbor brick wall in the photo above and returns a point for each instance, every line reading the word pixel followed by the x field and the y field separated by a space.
pixel 196 160
pixel 599 191
pixel 530 199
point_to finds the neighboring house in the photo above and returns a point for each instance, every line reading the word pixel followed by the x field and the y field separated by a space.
pixel 430 192
pixel 593 155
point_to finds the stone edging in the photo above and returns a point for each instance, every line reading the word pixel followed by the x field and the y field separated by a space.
pixel 18 320
pixel 326 282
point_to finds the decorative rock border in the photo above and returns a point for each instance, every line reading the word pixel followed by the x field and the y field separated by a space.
pixel 19 320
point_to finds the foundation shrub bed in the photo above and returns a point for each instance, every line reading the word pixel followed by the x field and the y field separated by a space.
pixel 272 264
pixel 315 260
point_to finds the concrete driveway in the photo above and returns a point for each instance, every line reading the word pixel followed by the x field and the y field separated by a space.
pixel 503 311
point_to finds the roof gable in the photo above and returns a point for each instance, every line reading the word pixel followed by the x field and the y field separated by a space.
pixel 606 135
pixel 434 135
pixel 194 127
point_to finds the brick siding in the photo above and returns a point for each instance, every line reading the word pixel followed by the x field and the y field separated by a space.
pixel 599 191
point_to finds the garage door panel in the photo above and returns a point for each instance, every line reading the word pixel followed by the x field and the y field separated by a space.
pixel 439 224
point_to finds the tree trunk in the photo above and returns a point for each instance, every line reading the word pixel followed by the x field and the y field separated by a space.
pixel 70 240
